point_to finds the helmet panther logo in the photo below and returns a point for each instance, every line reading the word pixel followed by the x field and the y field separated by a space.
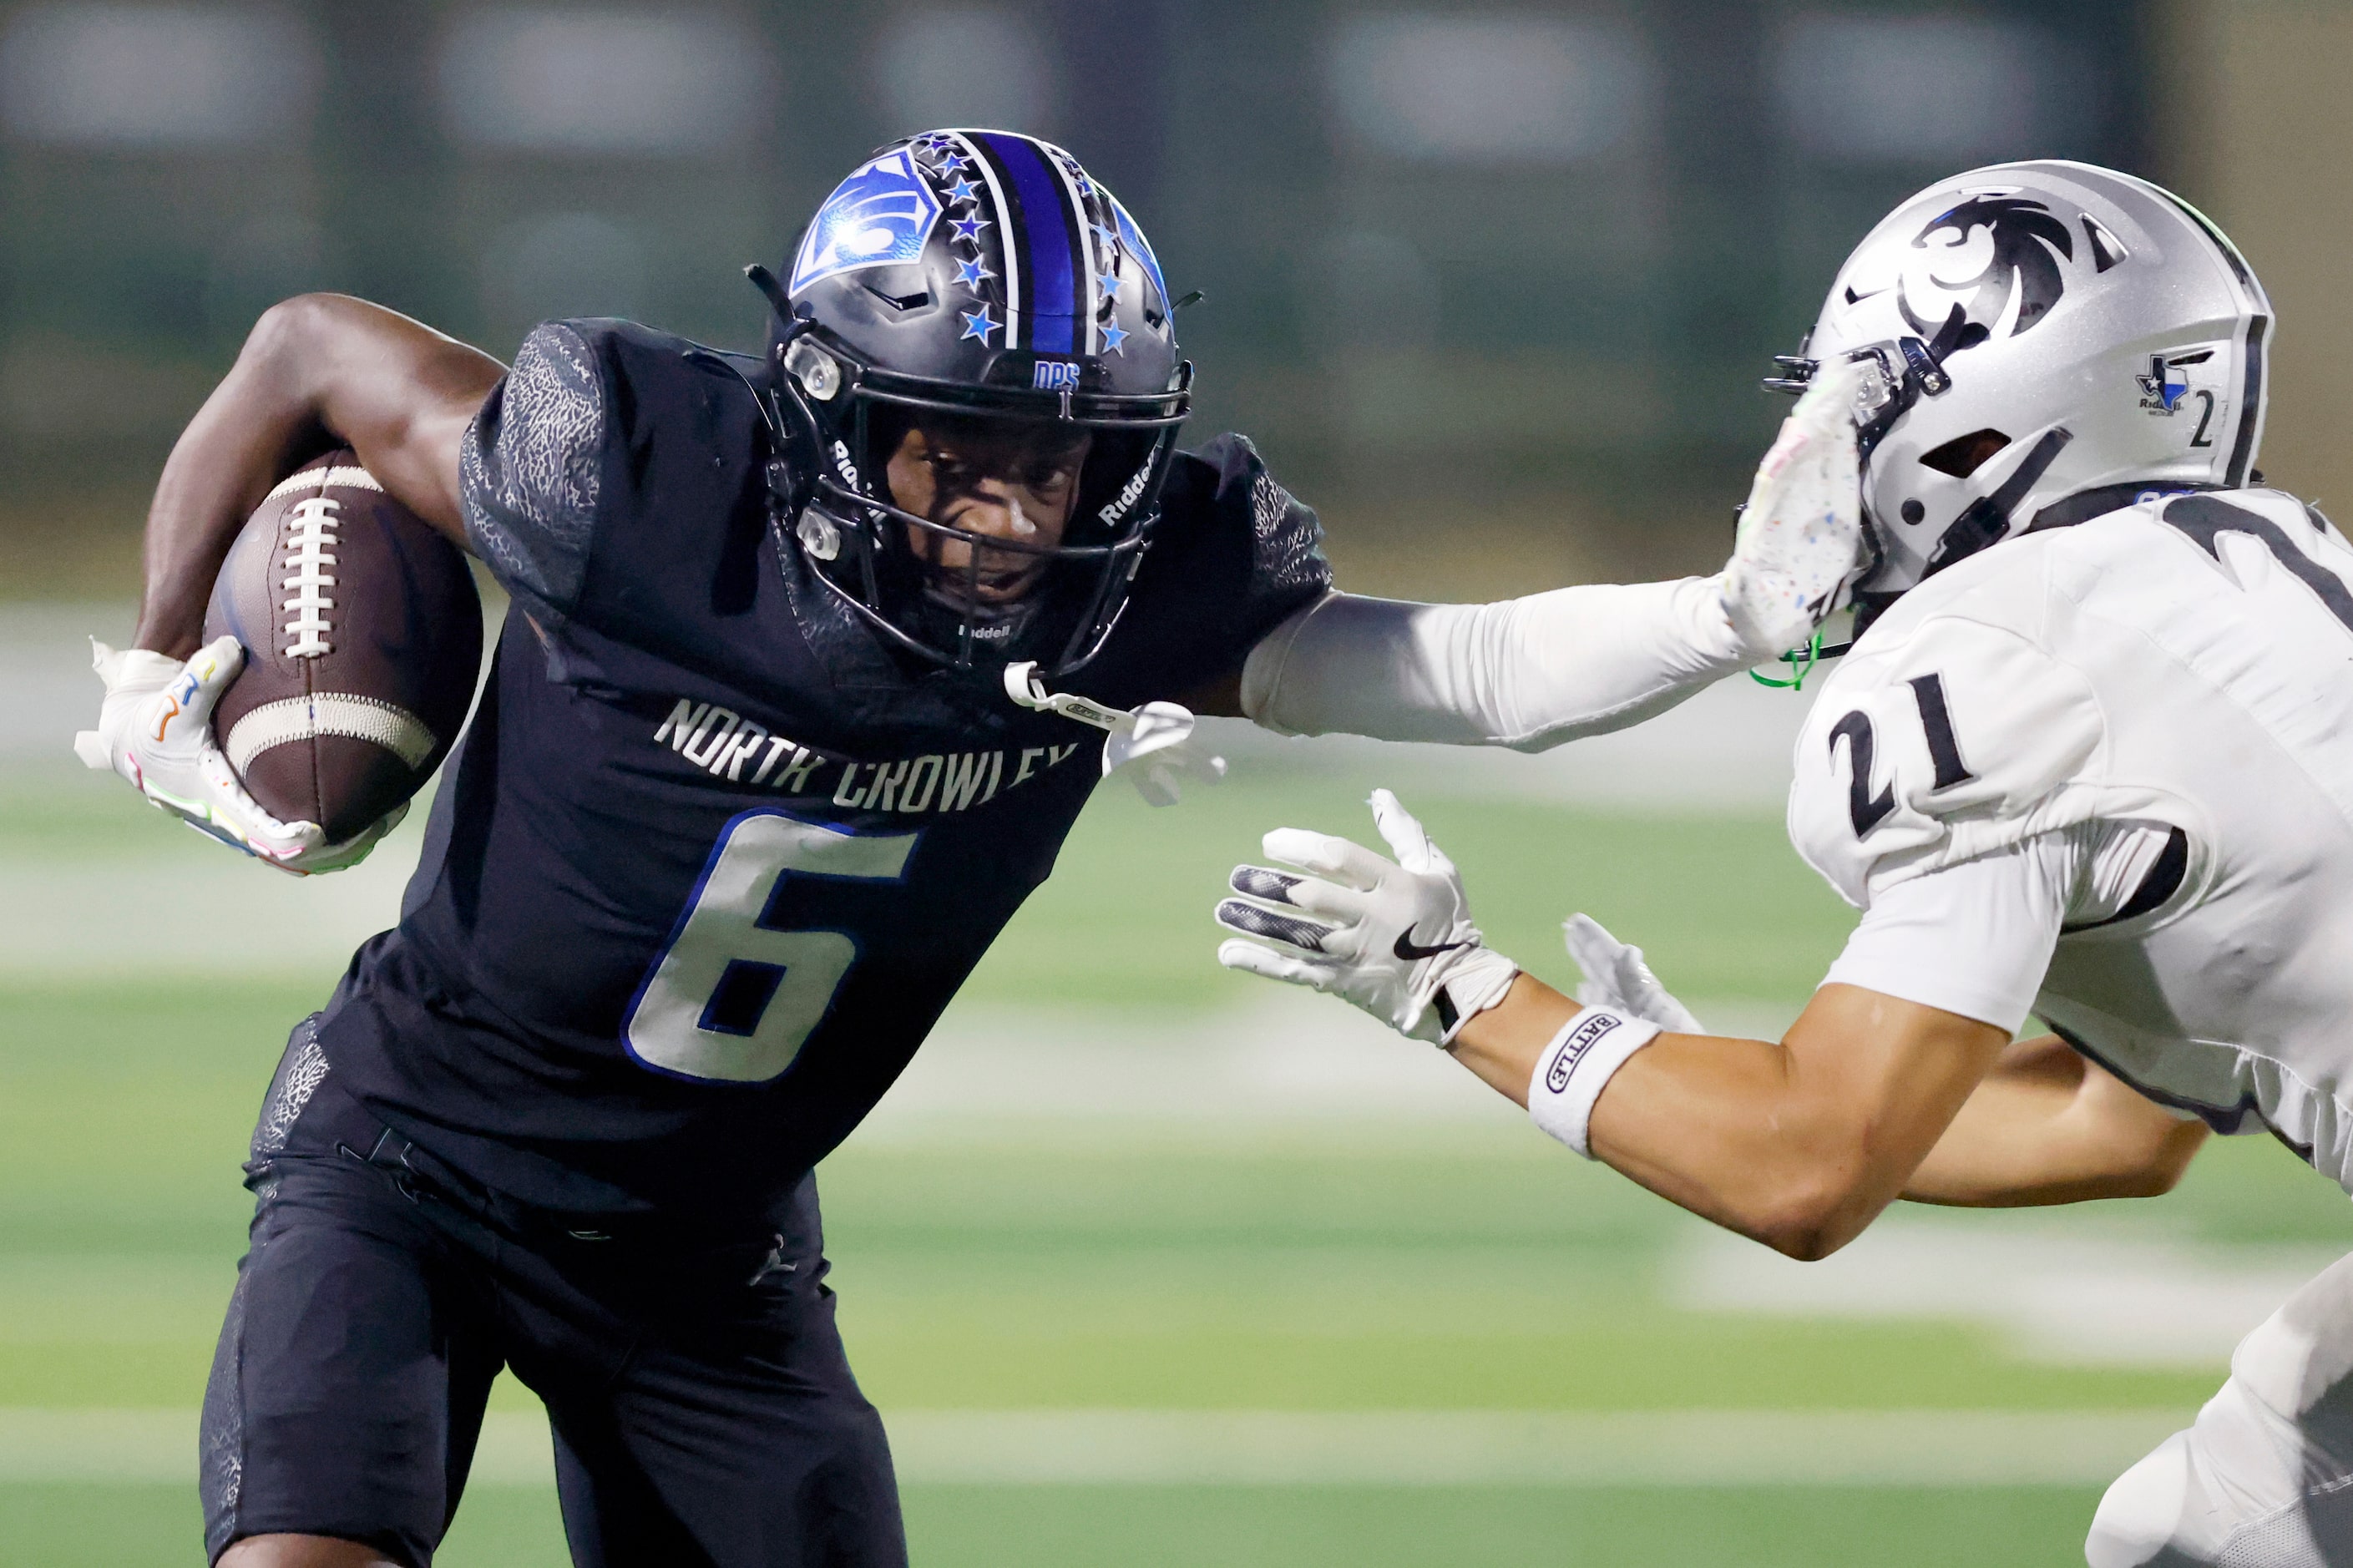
pixel 2018 282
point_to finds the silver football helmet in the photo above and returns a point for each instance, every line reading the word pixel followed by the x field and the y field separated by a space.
pixel 2040 341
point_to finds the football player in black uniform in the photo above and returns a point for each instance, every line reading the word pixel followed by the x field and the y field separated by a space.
pixel 747 795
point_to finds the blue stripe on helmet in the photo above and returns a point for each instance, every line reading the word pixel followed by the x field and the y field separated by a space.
pixel 1051 308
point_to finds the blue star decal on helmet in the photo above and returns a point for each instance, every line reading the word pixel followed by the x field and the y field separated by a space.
pixel 1108 236
pixel 1111 286
pixel 968 228
pixel 953 161
pixel 963 191
pixel 970 273
pixel 976 324
pixel 1113 338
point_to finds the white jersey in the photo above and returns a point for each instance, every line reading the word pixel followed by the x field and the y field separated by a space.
pixel 2147 717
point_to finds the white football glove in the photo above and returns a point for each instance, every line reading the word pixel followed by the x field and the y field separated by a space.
pixel 1616 977
pixel 1160 755
pixel 156 729
pixel 1393 938
pixel 1799 545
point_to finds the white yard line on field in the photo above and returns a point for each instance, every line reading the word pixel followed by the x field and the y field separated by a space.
pixel 1290 1059
pixel 215 915
pixel 1464 1447
pixel 2064 1297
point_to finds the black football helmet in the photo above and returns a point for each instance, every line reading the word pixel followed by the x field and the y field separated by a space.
pixel 973 273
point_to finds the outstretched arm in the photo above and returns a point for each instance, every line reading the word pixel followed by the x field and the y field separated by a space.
pixel 1799 1144
pixel 1524 673
pixel 1867 1099
pixel 318 371
pixel 1881 1089
pixel 1532 673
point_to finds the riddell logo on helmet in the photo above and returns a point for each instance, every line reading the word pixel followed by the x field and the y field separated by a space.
pixel 1054 376
pixel 1127 496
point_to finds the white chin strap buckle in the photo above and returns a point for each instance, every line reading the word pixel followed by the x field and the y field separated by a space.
pixel 1027 688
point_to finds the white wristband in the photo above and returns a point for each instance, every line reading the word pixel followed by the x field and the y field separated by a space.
pixel 1571 1070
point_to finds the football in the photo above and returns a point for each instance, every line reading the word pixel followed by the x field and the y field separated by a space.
pixel 363 635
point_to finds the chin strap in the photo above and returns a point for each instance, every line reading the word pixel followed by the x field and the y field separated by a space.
pixel 1149 741
pixel 1985 520
pixel 1802 664
pixel 1028 688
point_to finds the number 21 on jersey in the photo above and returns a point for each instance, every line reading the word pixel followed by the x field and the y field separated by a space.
pixel 733 999
pixel 1867 810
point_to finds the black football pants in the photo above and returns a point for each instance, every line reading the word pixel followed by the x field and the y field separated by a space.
pixel 703 1410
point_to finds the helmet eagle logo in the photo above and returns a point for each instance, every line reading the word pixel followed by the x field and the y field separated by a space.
pixel 2021 267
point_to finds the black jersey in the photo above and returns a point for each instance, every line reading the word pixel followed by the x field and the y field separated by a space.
pixel 710 860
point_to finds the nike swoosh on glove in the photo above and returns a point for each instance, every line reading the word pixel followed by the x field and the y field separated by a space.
pixel 1800 542
pixel 1616 978
pixel 1395 938
pixel 154 729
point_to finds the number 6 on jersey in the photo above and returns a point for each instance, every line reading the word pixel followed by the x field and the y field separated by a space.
pixel 733 999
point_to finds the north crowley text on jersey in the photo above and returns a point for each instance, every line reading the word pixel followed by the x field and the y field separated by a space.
pixel 725 745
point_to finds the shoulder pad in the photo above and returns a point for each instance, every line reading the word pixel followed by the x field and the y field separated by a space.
pixel 1233 556
pixel 1285 538
pixel 531 468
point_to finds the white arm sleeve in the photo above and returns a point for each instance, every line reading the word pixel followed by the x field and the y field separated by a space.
pixel 1525 673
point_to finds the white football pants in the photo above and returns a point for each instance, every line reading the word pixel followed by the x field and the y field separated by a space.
pixel 2265 1477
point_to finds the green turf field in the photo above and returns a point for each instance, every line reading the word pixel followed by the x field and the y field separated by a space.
pixel 1349 1269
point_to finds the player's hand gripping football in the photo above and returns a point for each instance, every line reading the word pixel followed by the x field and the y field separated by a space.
pixel 1394 937
pixel 156 729
pixel 1616 978
pixel 1800 541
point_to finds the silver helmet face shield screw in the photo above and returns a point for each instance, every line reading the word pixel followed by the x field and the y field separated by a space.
pixel 818 372
pixel 820 537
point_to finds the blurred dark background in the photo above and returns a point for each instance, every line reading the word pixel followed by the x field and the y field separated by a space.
pixel 1504 275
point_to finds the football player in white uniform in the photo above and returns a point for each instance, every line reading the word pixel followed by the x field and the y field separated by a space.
pixel 2091 758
